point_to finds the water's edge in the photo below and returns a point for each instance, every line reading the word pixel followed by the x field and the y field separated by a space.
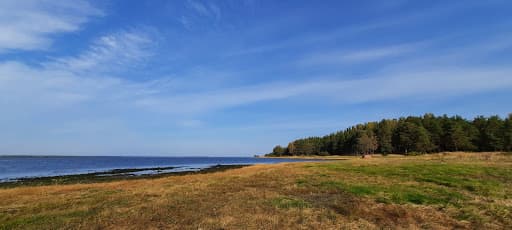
pixel 18 167
pixel 116 174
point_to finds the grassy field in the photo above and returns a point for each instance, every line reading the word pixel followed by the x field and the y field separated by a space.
pixel 441 191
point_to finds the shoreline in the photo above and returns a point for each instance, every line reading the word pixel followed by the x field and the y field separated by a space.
pixel 113 175
pixel 319 158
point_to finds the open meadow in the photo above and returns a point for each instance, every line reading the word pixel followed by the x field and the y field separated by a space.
pixel 437 191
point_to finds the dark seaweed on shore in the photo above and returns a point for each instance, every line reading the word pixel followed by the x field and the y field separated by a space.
pixel 111 175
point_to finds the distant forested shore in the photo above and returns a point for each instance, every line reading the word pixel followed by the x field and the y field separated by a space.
pixel 409 135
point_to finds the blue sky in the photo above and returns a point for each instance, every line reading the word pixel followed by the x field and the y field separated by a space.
pixel 234 77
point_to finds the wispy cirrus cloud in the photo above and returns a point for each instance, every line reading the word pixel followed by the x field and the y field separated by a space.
pixel 199 12
pixel 362 29
pixel 385 52
pixel 84 78
pixel 208 9
pixel 29 25
pixel 393 85
pixel 120 49
pixel 31 88
pixel 362 55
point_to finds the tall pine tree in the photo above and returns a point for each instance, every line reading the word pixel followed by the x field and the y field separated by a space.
pixel 507 133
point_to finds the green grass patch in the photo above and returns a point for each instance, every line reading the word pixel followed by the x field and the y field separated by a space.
pixel 356 189
pixel 476 179
pixel 301 182
pixel 44 221
pixel 396 193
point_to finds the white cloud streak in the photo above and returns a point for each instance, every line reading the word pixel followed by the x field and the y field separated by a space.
pixel 198 7
pixel 206 10
pixel 28 25
pixel 200 12
pixel 363 55
pixel 119 49
pixel 81 79
pixel 440 83
pixel 415 18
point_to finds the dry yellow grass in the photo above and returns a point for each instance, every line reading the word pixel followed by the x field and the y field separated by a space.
pixel 347 194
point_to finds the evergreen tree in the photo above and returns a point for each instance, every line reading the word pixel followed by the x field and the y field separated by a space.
pixel 455 137
pixel 409 137
pixel 291 148
pixel 435 130
pixel 494 133
pixel 385 135
pixel 490 133
pixel 366 143
pixel 422 140
pixel 279 151
pixel 403 139
pixel 507 133
pixel 480 124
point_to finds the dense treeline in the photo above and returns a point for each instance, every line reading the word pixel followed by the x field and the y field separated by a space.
pixel 409 135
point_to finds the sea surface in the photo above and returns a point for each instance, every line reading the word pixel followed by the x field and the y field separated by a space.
pixel 17 167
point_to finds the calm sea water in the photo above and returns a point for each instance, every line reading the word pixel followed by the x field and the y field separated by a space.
pixel 15 167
